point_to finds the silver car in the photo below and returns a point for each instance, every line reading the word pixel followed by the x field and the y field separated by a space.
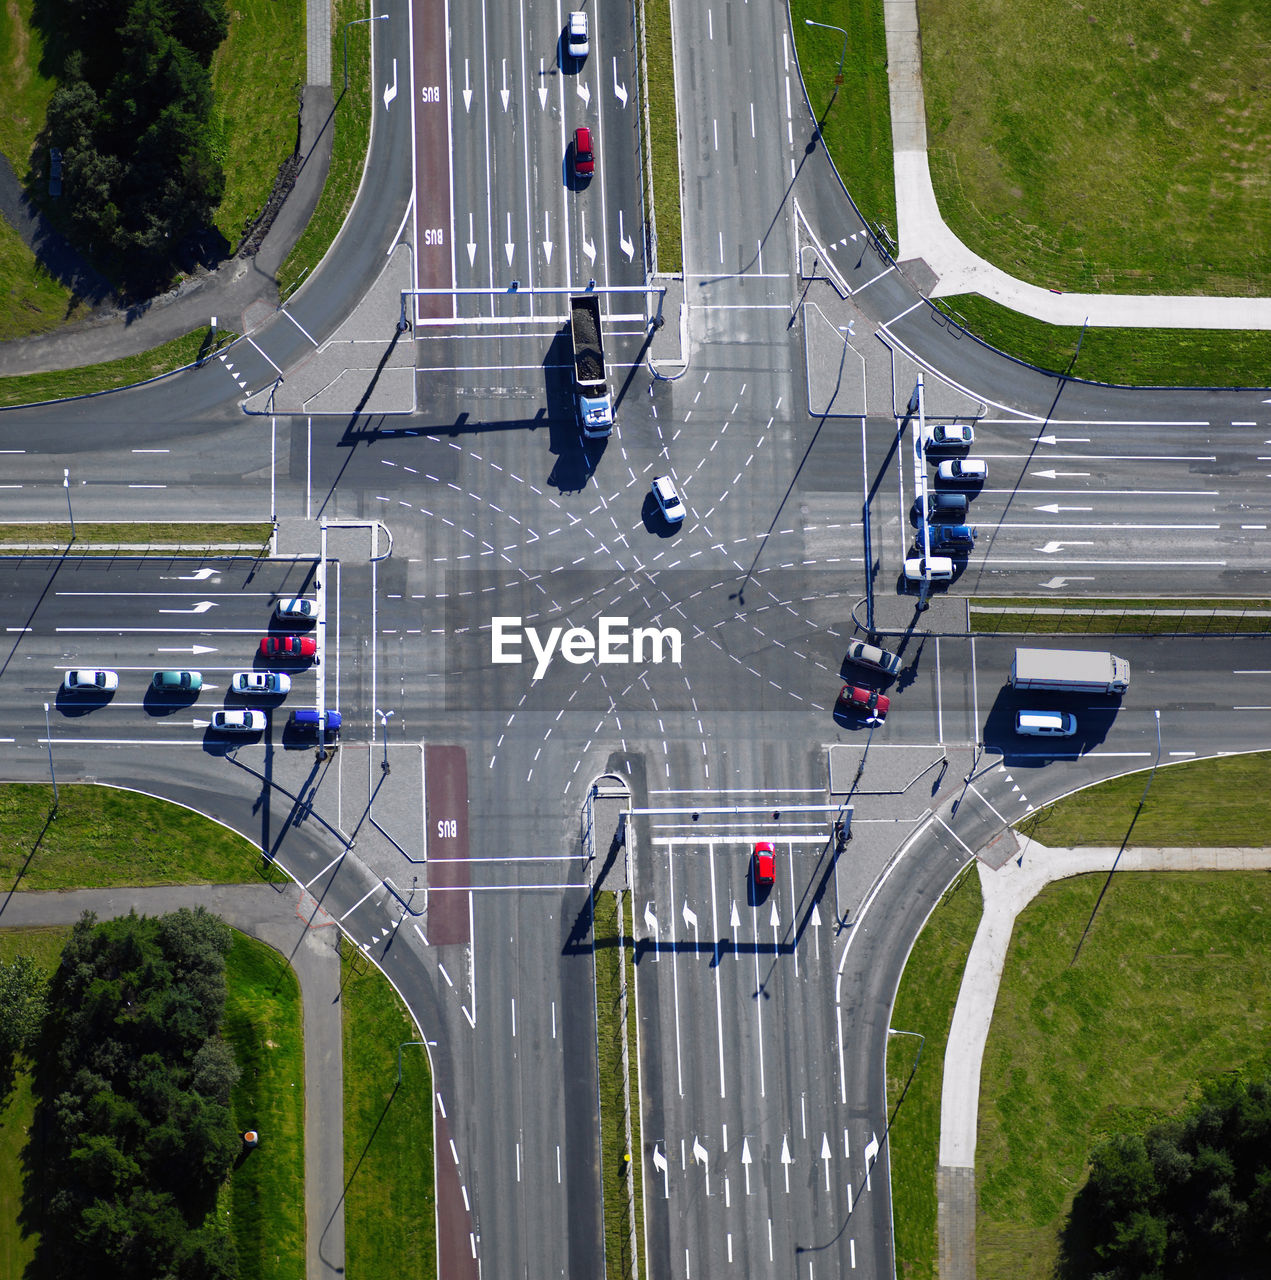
pixel 576 41
pixel 298 607
pixel 870 655
pixel 91 681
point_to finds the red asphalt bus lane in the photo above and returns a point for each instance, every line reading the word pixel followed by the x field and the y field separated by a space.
pixel 434 254
pixel 446 812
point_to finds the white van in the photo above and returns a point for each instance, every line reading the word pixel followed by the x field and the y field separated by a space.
pixel 1046 724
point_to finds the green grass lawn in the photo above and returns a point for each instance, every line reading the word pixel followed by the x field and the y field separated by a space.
pixel 31 301
pixel 390 1215
pixel 1173 985
pixel 924 1003
pixel 265 1193
pixel 1218 803
pixel 103 837
pixel 349 146
pixel 257 75
pixel 160 534
pixel 662 140
pixel 1044 615
pixel 1104 146
pixel 25 89
pixel 855 122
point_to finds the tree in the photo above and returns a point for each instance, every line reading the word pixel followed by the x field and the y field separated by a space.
pixel 23 1003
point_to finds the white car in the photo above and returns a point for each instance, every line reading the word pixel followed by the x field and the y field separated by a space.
pixel 576 41
pixel 950 435
pixel 297 608
pixel 91 681
pixel 964 471
pixel 234 721
pixel 668 499
pixel 265 682
pixel 933 568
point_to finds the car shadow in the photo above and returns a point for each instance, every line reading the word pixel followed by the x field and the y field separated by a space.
pixel 156 703
pixel 1022 751
pixel 655 522
pixel 73 704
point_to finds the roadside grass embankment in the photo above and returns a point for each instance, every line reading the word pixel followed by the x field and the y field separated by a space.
pixel 660 141
pixel 148 539
pixel 390 1216
pixel 1076 1051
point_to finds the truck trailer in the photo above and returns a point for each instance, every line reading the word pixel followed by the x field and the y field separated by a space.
pixel 1069 671
pixel 595 408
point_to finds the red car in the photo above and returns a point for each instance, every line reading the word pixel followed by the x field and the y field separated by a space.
pixel 872 705
pixel 280 646
pixel 763 866
pixel 584 159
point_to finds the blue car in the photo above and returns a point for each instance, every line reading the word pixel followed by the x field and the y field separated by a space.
pixel 951 537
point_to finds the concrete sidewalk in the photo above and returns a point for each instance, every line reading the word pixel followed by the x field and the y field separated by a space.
pixel 1007 892
pixel 924 235
pixel 239 293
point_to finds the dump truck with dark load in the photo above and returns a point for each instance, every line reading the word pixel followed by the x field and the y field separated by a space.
pixel 595 407
pixel 1069 671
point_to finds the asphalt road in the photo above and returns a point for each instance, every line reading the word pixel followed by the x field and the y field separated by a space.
pixel 763 1019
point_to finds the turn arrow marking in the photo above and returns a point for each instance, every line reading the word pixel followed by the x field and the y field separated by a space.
pixel 619 90
pixel 627 247
pixel 202 607
pixel 1051 547
pixel 584 92
pixel 390 90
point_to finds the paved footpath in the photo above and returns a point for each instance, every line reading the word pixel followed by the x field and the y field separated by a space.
pixel 924 235
pixel 1007 892
pixel 291 922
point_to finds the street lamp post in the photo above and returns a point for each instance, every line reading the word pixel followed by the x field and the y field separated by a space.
pixel 66 484
pixel 1148 784
pixel 829 26
pixel 48 738
pixel 376 17
pixel 385 716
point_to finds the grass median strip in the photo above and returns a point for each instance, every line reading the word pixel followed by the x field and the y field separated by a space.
pixel 158 536
pixel 661 140
pixel 620 1142
pixel 1047 616
pixel 390 1217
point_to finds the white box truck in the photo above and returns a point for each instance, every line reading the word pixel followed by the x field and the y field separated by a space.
pixel 1069 671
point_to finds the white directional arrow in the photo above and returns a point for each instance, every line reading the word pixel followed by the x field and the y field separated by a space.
pixel 505 93
pixel 1051 547
pixel 589 247
pixel 390 90
pixel 467 88
pixel 825 1155
pixel 510 246
pixel 659 1163
pixel 1054 475
pixel 690 917
pixel 745 1161
pixel 816 923
pixel 547 232
pixel 871 1154
pixel 193 648
pixel 775 921
pixel 627 247
pixel 1055 583
pixel 197 576
pixel 619 90
pixel 700 1156
pixel 584 92
pixel 200 724
pixel 472 244
pixel 202 607
pixel 1054 508
pixel 786 1159
pixel 1062 439
pixel 734 921
pixel 651 924
pixel 542 85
